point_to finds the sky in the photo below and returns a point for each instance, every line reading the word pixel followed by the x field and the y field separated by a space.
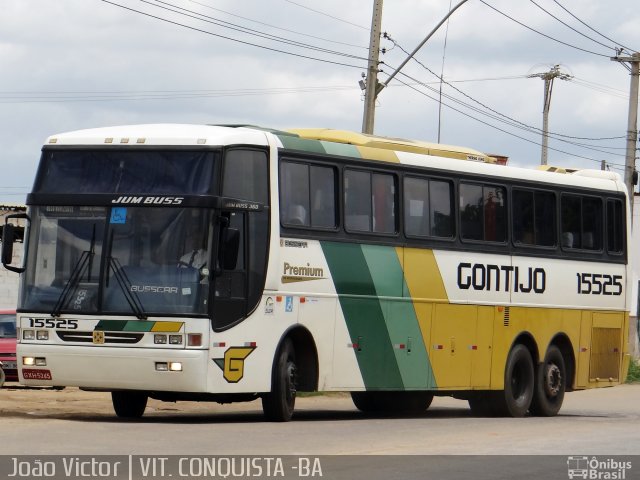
pixel 73 64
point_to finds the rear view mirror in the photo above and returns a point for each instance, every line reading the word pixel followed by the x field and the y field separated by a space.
pixel 9 235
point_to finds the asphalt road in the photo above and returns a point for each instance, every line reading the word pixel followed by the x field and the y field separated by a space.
pixel 71 422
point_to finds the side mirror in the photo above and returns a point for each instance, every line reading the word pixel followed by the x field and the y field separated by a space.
pixel 230 249
pixel 8 239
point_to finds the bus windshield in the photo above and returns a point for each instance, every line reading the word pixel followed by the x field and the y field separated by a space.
pixel 119 260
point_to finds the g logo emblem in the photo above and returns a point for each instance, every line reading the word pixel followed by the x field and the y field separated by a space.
pixel 232 365
pixel 98 337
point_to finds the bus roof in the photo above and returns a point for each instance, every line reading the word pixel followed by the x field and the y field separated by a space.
pixel 161 134
pixel 389 143
pixel 335 142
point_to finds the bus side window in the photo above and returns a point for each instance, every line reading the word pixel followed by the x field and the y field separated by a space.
pixel 483 212
pixel 615 226
pixel 370 202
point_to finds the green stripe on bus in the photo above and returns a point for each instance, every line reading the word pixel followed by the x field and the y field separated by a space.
pixel 363 315
pixel 342 149
pixel 125 325
pixel 297 143
pixel 111 325
pixel 400 317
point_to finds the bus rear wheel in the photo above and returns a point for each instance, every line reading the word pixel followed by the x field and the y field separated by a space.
pixel 279 403
pixel 392 402
pixel 551 382
pixel 129 404
pixel 519 380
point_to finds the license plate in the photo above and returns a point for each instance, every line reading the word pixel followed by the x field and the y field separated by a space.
pixel 8 365
pixel 36 374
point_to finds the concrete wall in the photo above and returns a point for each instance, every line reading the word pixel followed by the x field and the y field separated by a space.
pixel 9 281
pixel 634 259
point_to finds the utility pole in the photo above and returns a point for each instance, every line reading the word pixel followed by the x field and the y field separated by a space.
pixel 548 78
pixel 371 84
pixel 630 175
pixel 373 88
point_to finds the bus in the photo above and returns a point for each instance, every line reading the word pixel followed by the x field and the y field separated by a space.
pixel 236 263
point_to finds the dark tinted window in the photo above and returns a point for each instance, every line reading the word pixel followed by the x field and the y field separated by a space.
pixel 126 171
pixel 483 212
pixel 615 226
pixel 370 202
pixel 427 207
pixel 307 195
pixel 534 218
pixel 7 325
pixel 246 175
pixel 581 222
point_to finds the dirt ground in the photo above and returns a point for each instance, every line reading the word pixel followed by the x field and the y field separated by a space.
pixel 18 401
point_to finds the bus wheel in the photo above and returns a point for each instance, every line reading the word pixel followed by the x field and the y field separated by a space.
pixel 365 401
pixel 515 400
pixel 2 377
pixel 278 404
pixel 413 402
pixel 551 382
pixel 392 402
pixel 129 404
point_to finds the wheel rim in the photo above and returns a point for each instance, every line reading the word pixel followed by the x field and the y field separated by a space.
pixel 553 380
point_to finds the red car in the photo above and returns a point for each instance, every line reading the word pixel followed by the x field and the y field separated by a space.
pixel 8 346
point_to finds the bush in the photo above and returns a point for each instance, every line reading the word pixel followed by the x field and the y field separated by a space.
pixel 634 371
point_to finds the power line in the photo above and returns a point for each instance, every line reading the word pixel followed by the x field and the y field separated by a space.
pixel 235 27
pixel 61 97
pixel 600 88
pixel 327 15
pixel 276 27
pixel 496 127
pixel 543 34
pixel 243 42
pixel 511 120
pixel 629 50
pixel 570 27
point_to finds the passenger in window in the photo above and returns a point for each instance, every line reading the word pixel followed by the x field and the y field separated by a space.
pixel 567 240
pixel 296 215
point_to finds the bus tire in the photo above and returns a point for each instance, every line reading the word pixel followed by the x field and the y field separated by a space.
pixel 365 401
pixel 392 402
pixel 551 383
pixel 279 403
pixel 129 404
pixel 2 377
pixel 519 381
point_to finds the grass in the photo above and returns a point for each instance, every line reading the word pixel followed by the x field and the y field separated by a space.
pixel 634 371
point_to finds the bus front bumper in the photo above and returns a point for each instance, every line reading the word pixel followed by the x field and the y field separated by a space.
pixel 113 368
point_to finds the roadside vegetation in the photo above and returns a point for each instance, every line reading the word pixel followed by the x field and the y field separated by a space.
pixel 634 371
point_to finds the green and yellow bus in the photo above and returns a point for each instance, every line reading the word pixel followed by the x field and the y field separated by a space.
pixel 231 263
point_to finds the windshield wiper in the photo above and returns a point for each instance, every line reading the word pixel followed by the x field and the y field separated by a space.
pixel 125 285
pixel 83 264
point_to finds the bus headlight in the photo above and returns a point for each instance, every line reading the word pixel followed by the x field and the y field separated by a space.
pixel 28 334
pixel 159 339
pixel 42 335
